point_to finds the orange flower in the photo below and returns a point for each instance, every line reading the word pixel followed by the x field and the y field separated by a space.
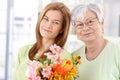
pixel 64 67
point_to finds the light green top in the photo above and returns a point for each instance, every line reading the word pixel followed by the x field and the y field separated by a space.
pixel 105 67
pixel 20 68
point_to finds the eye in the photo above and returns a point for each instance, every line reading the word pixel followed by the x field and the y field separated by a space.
pixel 45 19
pixel 80 25
pixel 90 22
pixel 55 22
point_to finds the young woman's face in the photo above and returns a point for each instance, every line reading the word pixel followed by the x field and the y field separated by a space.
pixel 89 28
pixel 51 24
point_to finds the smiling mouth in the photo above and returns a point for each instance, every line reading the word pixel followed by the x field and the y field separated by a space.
pixel 87 34
pixel 46 30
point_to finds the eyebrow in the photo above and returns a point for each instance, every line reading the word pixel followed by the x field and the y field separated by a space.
pixel 53 19
pixel 90 18
pixel 45 16
pixel 86 19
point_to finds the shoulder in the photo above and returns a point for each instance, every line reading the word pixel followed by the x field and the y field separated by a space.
pixel 26 47
pixel 65 51
pixel 79 50
pixel 23 51
pixel 113 46
pixel 113 49
pixel 66 54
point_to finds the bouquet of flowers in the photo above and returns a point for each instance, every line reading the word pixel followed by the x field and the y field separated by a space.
pixel 53 68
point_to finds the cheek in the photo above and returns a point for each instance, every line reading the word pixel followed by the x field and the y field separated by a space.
pixel 79 35
pixel 98 29
pixel 57 29
pixel 78 32
pixel 41 24
pixel 56 32
pixel 40 28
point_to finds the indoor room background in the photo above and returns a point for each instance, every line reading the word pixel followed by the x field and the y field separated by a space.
pixel 18 20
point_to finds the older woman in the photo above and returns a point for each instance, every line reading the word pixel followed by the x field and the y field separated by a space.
pixel 100 57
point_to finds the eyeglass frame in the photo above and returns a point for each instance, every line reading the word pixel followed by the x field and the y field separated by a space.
pixel 86 23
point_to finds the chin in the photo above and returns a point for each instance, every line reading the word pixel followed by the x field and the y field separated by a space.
pixel 87 39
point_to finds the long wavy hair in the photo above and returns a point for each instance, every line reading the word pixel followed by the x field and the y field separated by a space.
pixel 62 37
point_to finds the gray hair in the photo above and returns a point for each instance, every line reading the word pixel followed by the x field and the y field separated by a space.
pixel 81 9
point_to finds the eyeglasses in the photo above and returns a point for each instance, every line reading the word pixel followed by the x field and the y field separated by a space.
pixel 89 22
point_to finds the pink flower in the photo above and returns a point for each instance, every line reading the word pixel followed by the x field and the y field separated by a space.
pixel 49 55
pixel 55 49
pixel 52 67
pixel 46 71
pixel 58 59
pixel 32 70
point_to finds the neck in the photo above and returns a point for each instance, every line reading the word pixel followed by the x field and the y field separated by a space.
pixel 93 49
pixel 45 45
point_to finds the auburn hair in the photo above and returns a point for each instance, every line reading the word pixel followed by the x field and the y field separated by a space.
pixel 62 37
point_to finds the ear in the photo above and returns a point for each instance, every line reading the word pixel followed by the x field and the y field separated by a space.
pixel 102 22
pixel 102 25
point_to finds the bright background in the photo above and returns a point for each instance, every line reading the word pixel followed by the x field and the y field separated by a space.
pixel 18 21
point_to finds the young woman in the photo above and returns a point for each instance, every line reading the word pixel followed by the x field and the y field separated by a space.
pixel 52 28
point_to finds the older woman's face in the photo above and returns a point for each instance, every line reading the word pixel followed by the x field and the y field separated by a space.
pixel 88 28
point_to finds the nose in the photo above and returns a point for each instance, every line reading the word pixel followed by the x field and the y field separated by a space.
pixel 48 24
pixel 85 27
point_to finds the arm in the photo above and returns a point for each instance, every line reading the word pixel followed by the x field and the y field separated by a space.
pixel 17 65
pixel 22 56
